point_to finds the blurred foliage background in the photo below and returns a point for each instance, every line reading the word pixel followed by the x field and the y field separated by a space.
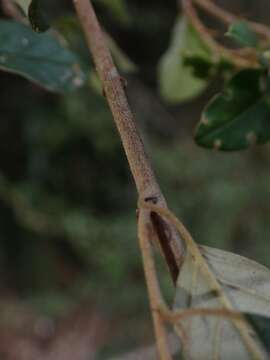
pixel 67 200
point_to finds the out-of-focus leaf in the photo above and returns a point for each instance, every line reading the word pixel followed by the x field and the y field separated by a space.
pixel 38 15
pixel 95 83
pixel 118 9
pixel 238 117
pixel 177 81
pixel 121 59
pixel 241 32
pixel 39 58
pixel 202 67
pixel 70 29
pixel 23 4
pixel 261 324
pixel 216 279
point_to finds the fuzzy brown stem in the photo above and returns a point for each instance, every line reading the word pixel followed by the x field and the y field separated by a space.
pixel 113 87
pixel 147 186
pixel 10 9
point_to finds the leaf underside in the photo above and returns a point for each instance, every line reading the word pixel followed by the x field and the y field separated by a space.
pixel 244 286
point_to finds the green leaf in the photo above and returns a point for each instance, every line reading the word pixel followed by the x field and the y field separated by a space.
pixel 42 14
pixel 38 16
pixel 123 62
pixel 239 116
pixel 70 29
pixel 118 9
pixel 201 67
pixel 243 34
pixel 176 80
pixel 261 325
pixel 39 58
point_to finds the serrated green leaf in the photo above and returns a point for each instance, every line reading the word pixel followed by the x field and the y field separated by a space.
pixel 261 325
pixel 239 116
pixel 39 58
pixel 177 81
pixel 241 32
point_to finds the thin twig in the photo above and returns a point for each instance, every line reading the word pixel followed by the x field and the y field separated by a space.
pixel 240 323
pixel 160 311
pixel 140 166
pixel 11 10
pixel 227 17
pixel 113 87
pixel 175 317
pixel 145 231
pixel 219 50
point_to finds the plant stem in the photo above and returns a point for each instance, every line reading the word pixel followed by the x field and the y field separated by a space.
pixel 225 16
pixel 154 292
pixel 113 85
pixel 10 9
pixel 114 90
pixel 219 50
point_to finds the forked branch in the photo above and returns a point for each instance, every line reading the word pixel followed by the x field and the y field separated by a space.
pixel 249 58
pixel 114 90
pixel 228 18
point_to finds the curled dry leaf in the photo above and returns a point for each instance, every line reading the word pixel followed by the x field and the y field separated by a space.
pixel 219 279
pixel 213 289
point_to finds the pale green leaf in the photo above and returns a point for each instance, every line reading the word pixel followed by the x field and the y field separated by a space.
pixel 176 80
